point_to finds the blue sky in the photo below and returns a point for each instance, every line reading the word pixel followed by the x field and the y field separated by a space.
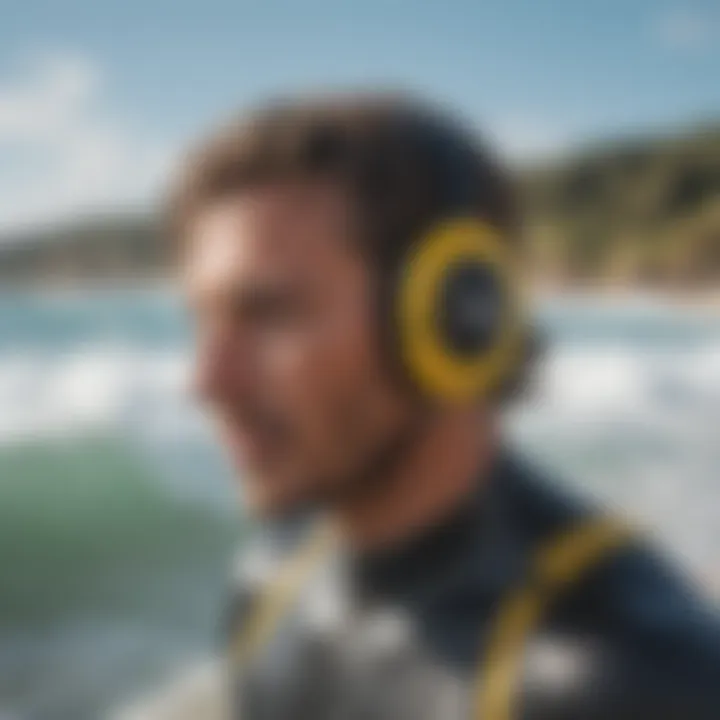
pixel 96 98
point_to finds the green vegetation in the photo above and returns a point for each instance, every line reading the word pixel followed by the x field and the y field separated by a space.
pixel 637 212
pixel 643 212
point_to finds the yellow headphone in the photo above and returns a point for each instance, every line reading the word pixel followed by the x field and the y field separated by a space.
pixel 457 318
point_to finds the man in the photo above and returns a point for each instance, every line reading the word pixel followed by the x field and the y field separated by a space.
pixel 351 263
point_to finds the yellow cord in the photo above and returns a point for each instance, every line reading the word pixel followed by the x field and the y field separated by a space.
pixel 278 598
pixel 557 564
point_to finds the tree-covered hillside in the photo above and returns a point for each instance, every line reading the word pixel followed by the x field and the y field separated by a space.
pixel 638 211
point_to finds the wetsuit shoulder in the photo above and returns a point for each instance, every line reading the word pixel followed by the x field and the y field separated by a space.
pixel 634 640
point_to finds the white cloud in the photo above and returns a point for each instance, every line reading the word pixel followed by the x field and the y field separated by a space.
pixel 689 29
pixel 62 153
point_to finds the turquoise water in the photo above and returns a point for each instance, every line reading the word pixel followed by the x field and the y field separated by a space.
pixel 118 519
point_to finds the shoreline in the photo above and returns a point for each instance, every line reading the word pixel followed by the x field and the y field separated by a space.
pixel 693 299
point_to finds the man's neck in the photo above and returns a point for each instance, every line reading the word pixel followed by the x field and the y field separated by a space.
pixel 432 479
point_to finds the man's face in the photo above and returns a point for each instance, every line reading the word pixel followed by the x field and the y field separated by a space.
pixel 288 356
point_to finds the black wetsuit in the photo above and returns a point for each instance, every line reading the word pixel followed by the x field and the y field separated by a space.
pixel 400 635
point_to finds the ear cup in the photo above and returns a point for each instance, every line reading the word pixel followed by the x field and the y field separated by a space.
pixel 457 310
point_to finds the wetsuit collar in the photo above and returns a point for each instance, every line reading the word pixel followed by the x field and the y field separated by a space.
pixel 470 546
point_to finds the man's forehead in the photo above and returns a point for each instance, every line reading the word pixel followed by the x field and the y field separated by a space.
pixel 271 231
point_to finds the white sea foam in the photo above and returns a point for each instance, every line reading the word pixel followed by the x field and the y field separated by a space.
pixel 92 388
pixel 145 392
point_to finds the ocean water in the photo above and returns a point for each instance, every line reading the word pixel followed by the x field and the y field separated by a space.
pixel 118 518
